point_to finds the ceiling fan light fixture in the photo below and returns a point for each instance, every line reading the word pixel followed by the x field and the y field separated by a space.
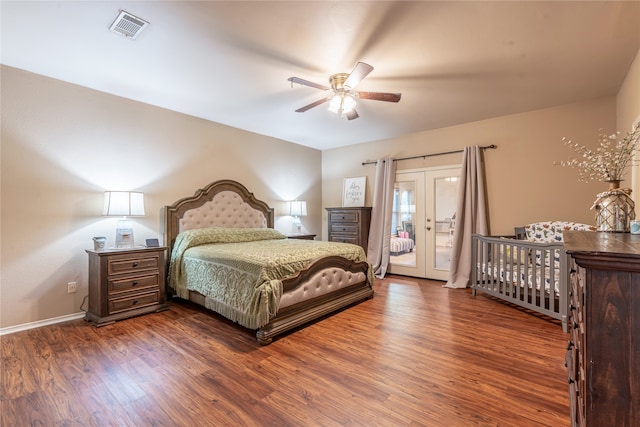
pixel 342 96
pixel 342 103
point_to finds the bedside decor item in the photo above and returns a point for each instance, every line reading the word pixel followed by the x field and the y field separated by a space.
pixel 353 192
pixel 123 203
pixel 99 243
pixel 608 163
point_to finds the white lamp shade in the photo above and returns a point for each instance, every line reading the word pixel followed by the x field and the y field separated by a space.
pixel 123 203
pixel 298 208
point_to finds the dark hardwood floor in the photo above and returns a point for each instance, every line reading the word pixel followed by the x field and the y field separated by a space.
pixel 416 354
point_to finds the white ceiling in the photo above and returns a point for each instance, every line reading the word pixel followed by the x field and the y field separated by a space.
pixel 228 61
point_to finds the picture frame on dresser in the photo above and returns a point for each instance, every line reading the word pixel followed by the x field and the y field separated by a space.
pixel 353 192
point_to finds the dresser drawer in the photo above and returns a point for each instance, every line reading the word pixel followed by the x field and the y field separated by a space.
pixel 344 228
pixel 349 225
pixel 118 265
pixel 117 305
pixel 344 217
pixel 344 239
pixel 128 284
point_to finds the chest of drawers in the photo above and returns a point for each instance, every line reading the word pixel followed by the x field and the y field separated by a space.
pixel 603 353
pixel 350 225
pixel 125 283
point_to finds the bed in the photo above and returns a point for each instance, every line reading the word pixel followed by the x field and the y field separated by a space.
pixel 530 271
pixel 226 256
pixel 400 245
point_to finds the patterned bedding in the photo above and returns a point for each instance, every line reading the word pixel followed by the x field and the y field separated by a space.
pixel 240 270
pixel 518 274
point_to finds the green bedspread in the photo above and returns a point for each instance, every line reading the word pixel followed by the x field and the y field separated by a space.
pixel 240 271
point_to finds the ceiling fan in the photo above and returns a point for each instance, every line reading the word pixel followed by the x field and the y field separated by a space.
pixel 341 95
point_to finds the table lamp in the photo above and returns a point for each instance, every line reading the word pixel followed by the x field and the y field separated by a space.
pixel 124 204
pixel 297 208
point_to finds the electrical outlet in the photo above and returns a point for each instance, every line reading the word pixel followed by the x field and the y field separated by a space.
pixel 72 287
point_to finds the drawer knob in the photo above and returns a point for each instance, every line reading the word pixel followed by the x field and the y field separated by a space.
pixel 135 301
pixel 135 283
pixel 135 264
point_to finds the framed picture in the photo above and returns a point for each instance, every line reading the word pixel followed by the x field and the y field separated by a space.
pixel 353 191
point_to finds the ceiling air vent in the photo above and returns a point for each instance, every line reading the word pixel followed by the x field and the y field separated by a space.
pixel 128 25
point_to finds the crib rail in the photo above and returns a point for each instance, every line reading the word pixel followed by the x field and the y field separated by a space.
pixel 529 274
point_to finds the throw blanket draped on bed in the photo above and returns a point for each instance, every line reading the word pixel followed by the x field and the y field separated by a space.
pixel 240 270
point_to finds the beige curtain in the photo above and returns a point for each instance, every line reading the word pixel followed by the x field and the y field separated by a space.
pixel 471 216
pixel 380 230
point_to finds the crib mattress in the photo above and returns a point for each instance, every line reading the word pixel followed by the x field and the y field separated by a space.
pixel 519 274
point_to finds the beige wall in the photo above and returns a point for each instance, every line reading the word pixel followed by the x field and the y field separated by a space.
pixel 63 145
pixel 628 113
pixel 523 184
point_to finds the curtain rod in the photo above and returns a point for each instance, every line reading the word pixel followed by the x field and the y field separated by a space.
pixel 424 156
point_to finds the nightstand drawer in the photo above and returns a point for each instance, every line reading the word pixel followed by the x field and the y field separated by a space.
pixel 344 217
pixel 128 265
pixel 127 284
pixel 133 302
pixel 344 228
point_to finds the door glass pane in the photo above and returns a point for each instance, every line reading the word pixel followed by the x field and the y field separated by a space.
pixel 446 195
pixel 403 224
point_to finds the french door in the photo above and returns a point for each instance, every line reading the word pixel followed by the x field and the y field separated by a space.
pixel 424 217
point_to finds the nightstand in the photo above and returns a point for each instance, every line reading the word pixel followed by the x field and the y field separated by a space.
pixel 124 283
pixel 302 236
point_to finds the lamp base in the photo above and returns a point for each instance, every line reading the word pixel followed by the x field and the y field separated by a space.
pixel 124 234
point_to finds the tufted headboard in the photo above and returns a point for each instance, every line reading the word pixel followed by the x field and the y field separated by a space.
pixel 224 203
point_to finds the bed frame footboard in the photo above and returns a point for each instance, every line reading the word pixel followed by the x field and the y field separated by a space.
pixel 529 274
pixel 326 286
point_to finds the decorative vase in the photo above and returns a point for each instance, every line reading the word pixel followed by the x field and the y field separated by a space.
pixel 614 208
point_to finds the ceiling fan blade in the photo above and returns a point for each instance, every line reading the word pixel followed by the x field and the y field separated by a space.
pixel 353 114
pixel 380 96
pixel 313 104
pixel 360 71
pixel 307 83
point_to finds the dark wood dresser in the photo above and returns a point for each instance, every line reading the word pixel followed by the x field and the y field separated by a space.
pixel 603 355
pixel 350 225
pixel 124 283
